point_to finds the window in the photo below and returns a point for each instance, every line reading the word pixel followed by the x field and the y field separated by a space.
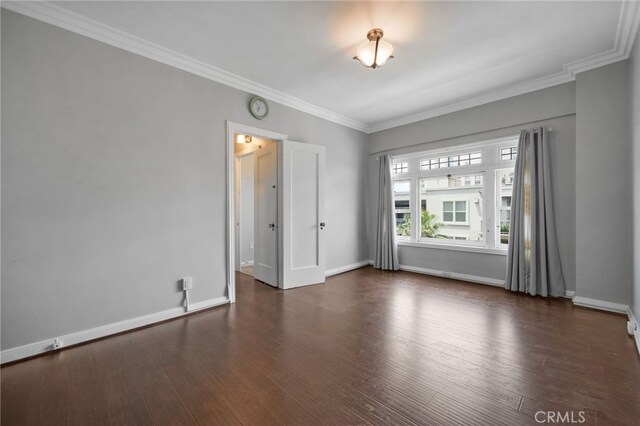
pixel 454 212
pixel 444 208
pixel 472 180
pixel 401 191
pixel 451 161
pixel 400 168
pixel 468 208
pixel 504 191
pixel 509 153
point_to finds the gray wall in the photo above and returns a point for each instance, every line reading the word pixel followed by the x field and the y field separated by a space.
pixel 634 134
pixel 113 182
pixel 554 107
pixel 603 185
pixel 518 110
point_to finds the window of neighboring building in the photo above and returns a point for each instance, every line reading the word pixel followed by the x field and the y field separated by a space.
pixel 454 212
pixel 400 168
pixel 470 207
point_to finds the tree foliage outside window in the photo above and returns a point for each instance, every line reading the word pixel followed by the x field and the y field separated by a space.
pixel 430 225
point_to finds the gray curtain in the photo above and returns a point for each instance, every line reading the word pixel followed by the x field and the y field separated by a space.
pixel 386 256
pixel 533 264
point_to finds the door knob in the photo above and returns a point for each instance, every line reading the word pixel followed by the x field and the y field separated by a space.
pixel 322 225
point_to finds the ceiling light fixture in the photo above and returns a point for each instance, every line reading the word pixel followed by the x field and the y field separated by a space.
pixel 375 52
pixel 244 139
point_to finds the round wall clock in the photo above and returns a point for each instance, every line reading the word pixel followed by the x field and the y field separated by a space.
pixel 258 107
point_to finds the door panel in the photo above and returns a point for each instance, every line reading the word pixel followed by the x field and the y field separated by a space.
pixel 304 220
pixel 303 214
pixel 266 209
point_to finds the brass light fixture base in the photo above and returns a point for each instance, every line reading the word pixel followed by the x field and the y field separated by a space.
pixel 375 34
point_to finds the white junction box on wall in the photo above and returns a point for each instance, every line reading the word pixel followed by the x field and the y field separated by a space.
pixel 187 283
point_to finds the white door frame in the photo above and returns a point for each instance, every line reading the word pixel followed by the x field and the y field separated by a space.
pixel 233 127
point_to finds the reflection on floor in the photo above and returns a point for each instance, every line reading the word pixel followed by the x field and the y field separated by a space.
pixel 248 269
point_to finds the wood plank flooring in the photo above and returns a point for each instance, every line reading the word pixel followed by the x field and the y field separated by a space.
pixel 366 348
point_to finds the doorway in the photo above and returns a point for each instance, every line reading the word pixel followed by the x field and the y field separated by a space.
pixel 256 213
pixel 288 212
pixel 234 130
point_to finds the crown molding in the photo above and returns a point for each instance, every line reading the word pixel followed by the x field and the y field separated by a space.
pixel 628 23
pixel 79 24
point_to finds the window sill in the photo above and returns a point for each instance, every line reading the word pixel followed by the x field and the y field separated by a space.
pixel 472 249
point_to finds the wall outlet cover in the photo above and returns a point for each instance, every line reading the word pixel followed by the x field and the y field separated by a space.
pixel 187 283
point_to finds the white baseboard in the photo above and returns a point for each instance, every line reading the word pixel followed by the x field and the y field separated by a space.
pixel 463 277
pixel 633 329
pixel 36 348
pixel 602 305
pixel 346 268
pixel 454 275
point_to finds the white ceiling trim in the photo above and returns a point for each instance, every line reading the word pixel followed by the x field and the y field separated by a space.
pixel 628 23
pixel 71 21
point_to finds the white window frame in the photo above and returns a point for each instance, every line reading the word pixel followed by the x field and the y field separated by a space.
pixel 509 147
pixel 401 165
pixel 491 163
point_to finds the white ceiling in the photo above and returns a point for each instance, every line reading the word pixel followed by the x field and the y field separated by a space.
pixel 447 54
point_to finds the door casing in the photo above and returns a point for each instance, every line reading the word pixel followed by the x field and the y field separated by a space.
pixel 232 128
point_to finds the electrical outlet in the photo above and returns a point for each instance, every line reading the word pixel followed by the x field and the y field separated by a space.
pixel 57 344
pixel 187 283
pixel 446 274
pixel 631 328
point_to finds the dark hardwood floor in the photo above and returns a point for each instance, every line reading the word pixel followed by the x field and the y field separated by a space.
pixel 368 347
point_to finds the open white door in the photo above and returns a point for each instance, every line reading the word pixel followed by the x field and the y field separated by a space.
pixel 265 265
pixel 303 233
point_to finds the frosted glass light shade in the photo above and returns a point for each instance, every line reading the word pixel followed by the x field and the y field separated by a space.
pixel 375 52
pixel 366 53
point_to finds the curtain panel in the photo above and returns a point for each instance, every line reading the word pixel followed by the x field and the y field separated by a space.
pixel 533 262
pixel 386 254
